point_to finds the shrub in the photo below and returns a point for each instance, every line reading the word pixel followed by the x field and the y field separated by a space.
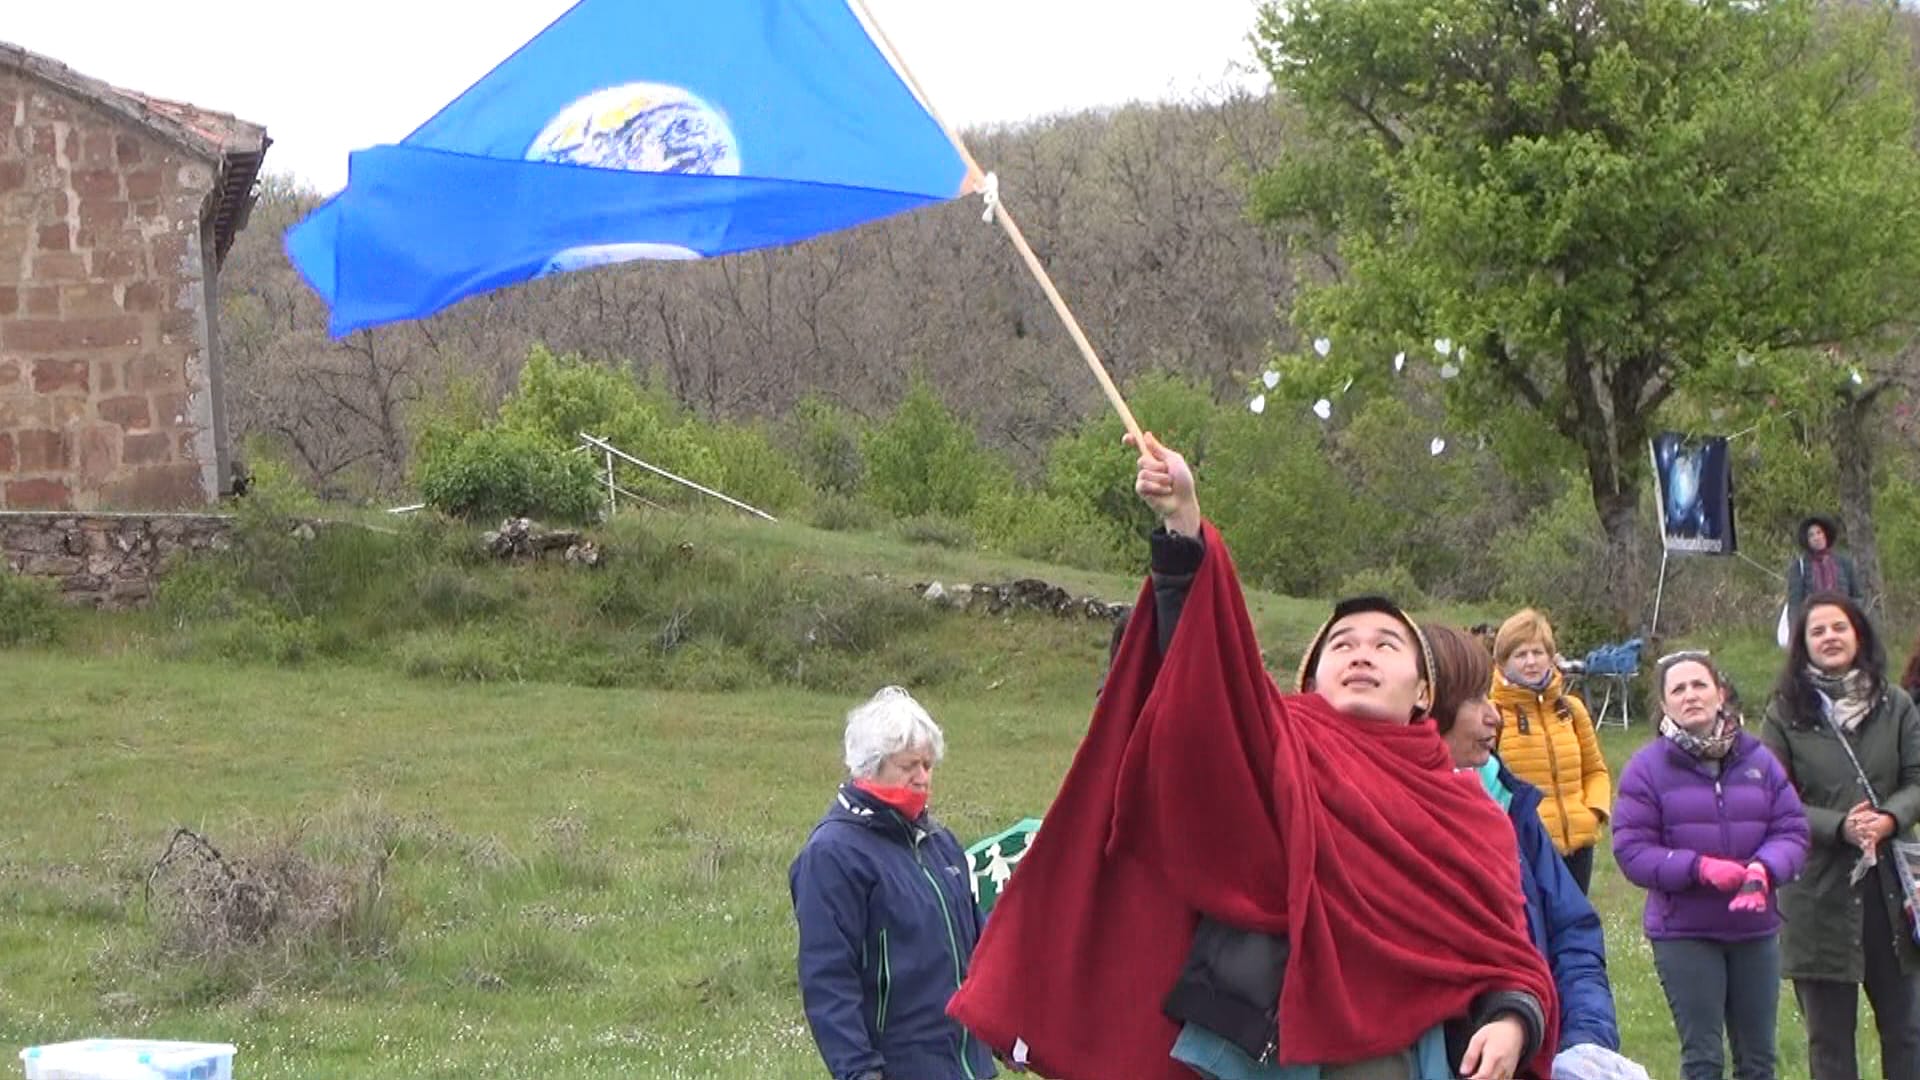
pixel 277 493
pixel 502 472
pixel 1268 484
pixel 853 617
pixel 29 612
pixel 842 513
pixel 925 460
pixel 562 396
pixel 1392 581
pixel 265 527
pixel 936 530
pixel 750 468
pixel 710 665
pixel 452 594
pixel 828 438
pixel 1779 478
pixel 1052 528
pixel 261 634
pixel 459 409
pixel 1089 467
pixel 199 589
pixel 1427 514
pixel 464 655
pixel 268 912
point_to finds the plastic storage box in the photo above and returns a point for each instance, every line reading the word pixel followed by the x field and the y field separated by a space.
pixel 128 1059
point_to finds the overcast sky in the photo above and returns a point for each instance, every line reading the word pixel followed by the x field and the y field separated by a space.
pixel 332 76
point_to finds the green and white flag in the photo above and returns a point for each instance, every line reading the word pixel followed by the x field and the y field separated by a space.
pixel 992 860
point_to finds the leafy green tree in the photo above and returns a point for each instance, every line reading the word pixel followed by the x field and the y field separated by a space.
pixel 1587 205
pixel 1841 407
pixel 1295 524
pixel 561 396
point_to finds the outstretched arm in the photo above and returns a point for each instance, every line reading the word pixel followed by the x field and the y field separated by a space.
pixel 1165 483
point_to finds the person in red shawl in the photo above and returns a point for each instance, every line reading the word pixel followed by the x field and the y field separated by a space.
pixel 1218 844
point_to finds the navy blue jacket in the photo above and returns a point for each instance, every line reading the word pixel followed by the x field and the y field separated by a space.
pixel 887 929
pixel 1565 927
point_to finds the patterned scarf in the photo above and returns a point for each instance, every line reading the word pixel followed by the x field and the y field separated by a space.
pixel 1824 570
pixel 1712 746
pixel 1849 697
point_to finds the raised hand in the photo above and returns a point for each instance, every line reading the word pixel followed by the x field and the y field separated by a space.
pixel 1165 483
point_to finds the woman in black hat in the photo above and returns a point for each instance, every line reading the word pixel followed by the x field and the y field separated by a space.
pixel 1820 567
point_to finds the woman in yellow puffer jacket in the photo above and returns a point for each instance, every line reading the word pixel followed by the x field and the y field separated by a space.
pixel 1547 739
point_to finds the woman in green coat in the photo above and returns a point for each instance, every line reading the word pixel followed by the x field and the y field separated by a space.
pixel 1839 935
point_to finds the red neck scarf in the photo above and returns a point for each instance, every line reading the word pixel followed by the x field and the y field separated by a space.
pixel 1200 788
pixel 909 802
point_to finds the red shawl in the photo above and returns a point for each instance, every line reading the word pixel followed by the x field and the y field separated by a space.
pixel 1201 788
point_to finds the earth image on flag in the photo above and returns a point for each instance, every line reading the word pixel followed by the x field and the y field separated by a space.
pixel 640 127
pixel 636 127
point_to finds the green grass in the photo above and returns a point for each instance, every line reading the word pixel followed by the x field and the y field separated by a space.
pixel 581 881
pixel 592 882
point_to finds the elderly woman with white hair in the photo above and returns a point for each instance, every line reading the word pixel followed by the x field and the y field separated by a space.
pixel 885 905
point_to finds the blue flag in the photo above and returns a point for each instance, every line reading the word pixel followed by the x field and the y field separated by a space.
pixel 669 129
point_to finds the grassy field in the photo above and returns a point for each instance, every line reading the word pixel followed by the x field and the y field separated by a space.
pixel 541 879
pixel 584 883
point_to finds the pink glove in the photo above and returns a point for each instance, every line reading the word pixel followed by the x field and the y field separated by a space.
pixel 1722 874
pixel 1753 891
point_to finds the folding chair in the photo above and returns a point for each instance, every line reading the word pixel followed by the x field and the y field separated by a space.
pixel 1615 666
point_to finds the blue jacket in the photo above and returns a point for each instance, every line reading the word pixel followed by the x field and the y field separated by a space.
pixel 887 929
pixel 1565 927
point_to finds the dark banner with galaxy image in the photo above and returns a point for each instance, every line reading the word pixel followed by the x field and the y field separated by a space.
pixel 1693 487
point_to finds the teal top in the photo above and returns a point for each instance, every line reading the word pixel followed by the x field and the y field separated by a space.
pixel 1490 779
pixel 1215 1058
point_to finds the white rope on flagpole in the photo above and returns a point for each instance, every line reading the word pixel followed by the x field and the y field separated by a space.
pixel 990 196
pixel 988 184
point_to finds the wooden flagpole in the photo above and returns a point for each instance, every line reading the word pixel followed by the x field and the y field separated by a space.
pixel 977 177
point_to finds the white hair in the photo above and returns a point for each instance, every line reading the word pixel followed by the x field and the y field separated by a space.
pixel 887 723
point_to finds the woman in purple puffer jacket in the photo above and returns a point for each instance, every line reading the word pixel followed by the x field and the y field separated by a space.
pixel 1709 824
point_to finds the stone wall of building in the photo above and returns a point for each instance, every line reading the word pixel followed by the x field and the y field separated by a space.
pixel 106 401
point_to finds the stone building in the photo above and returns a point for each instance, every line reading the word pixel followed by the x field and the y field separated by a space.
pixel 116 210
